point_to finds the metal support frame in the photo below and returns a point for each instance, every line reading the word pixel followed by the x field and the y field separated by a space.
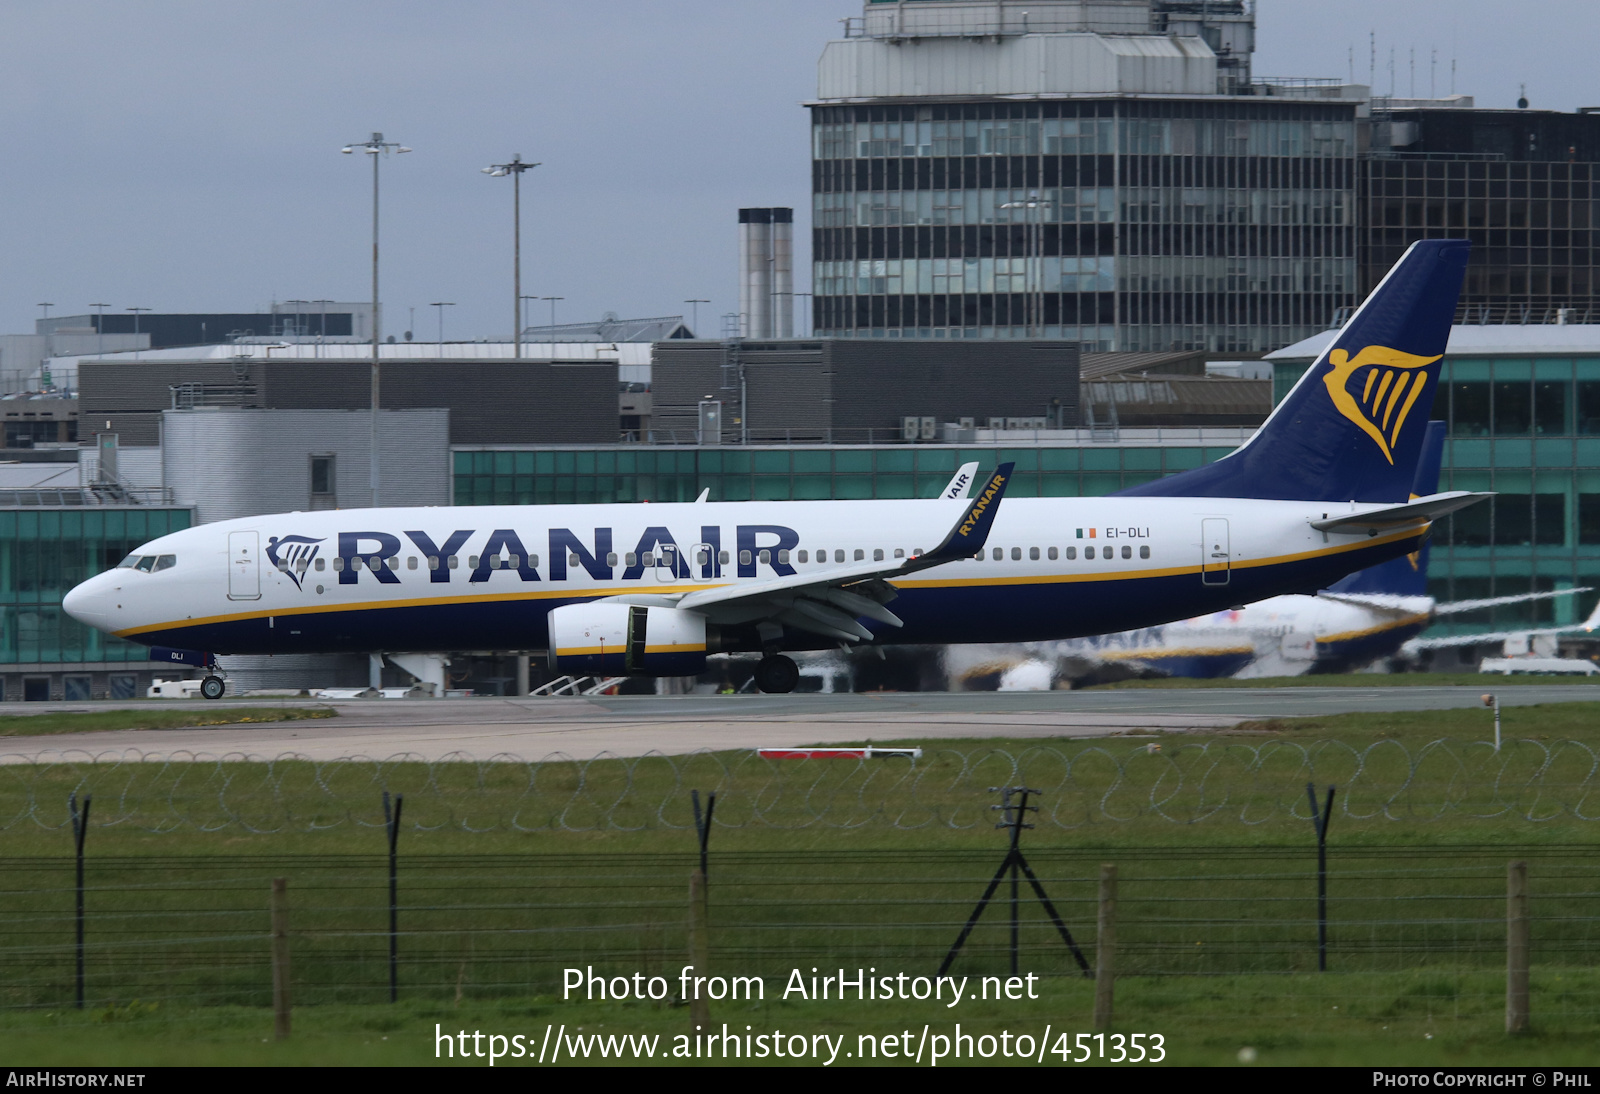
pixel 702 824
pixel 1015 862
pixel 1319 821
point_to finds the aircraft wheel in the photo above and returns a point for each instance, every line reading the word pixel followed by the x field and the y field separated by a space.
pixel 777 675
pixel 212 687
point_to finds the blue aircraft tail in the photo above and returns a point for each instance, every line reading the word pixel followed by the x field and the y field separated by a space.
pixel 1351 430
pixel 1408 574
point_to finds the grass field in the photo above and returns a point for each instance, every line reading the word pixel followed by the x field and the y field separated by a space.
pixel 508 874
pixel 93 721
pixel 1422 1019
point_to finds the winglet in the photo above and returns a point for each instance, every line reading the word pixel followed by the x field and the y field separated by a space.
pixel 972 530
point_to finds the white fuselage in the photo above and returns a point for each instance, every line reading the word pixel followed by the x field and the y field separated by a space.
pixel 483 578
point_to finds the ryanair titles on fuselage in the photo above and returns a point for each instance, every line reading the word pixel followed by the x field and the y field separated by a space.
pixel 359 552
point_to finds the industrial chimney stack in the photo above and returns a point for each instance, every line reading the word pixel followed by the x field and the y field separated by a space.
pixel 766 273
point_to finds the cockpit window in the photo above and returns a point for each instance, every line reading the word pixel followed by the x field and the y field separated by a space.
pixel 148 563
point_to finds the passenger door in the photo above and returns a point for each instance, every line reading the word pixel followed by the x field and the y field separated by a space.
pixel 244 566
pixel 1215 553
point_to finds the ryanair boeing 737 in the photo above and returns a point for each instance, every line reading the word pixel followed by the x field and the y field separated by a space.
pixel 1320 491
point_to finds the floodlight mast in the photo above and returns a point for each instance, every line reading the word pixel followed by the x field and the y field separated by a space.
pixel 500 171
pixel 377 148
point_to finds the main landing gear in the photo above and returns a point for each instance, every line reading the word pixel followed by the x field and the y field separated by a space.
pixel 777 674
pixel 213 687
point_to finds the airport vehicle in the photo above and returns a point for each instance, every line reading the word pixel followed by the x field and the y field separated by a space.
pixel 1320 491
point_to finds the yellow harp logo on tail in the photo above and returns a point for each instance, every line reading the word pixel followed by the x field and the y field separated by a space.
pixel 1388 392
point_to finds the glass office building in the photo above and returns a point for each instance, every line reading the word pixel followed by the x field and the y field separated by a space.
pixel 1222 225
pixel 44 552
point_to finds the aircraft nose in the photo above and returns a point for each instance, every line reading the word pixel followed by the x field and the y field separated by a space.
pixel 86 602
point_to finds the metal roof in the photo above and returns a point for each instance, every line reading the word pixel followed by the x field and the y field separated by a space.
pixel 1488 340
pixel 659 328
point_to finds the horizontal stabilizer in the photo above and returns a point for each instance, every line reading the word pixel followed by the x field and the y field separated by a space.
pixel 1423 509
pixel 1455 607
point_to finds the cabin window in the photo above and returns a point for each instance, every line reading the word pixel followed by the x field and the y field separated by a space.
pixel 783 557
pixel 338 565
pixel 533 560
pixel 631 559
pixel 1144 552
pixel 877 554
pixel 702 558
pixel 573 560
pixel 1016 554
pixel 764 557
pixel 647 559
pixel 916 552
pixel 899 552
pixel 433 562
pixel 1127 552
pixel 1051 553
pixel 1072 553
pixel 515 561
pixel 722 557
pixel 394 562
pixel 838 555
pixel 472 562
pixel 1088 552
pixel 744 558
pixel 376 562
pixel 1033 553
pixel 805 556
pixel 321 564
pixel 998 554
pixel 455 562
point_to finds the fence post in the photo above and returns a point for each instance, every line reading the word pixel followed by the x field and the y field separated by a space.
pixel 1319 821
pixel 391 821
pixel 699 948
pixel 1517 941
pixel 1105 947
pixel 280 959
pixel 80 828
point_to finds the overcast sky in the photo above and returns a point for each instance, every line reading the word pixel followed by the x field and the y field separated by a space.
pixel 184 156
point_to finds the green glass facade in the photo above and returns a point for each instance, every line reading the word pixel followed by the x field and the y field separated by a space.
pixel 44 553
pixel 1527 428
pixel 565 476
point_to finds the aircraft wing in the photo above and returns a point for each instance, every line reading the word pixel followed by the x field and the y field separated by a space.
pixel 1431 507
pixel 1590 624
pixel 828 602
pixel 1455 607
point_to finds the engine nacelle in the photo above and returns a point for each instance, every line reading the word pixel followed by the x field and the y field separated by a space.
pixel 612 639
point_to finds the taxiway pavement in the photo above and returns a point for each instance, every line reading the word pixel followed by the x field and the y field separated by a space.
pixel 532 729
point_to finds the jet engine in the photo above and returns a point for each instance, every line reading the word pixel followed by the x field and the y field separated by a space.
pixel 615 639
